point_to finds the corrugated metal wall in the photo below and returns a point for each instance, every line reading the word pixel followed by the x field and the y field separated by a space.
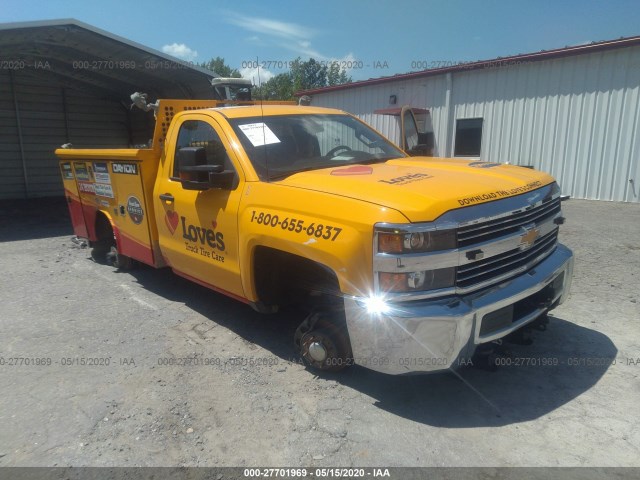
pixel 48 117
pixel 576 117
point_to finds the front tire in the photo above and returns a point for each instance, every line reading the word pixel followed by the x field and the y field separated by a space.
pixel 323 344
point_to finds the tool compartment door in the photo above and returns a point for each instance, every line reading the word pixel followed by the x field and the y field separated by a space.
pixel 73 199
pixel 120 185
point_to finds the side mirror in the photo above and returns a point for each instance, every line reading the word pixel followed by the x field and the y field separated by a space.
pixel 195 174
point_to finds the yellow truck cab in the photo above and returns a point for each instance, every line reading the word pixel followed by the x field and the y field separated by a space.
pixel 403 264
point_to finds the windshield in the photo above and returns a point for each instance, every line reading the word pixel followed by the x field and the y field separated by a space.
pixel 279 146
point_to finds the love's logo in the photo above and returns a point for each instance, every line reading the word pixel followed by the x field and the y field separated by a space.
pixel 171 219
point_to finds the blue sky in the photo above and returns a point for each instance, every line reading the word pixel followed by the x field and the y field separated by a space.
pixel 376 38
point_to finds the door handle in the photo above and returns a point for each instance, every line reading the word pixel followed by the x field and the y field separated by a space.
pixel 167 197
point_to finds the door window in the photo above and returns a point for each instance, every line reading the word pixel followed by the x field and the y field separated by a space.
pixel 196 133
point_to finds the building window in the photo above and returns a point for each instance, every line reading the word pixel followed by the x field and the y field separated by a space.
pixel 468 137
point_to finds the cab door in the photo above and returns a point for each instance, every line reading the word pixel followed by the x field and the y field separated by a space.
pixel 198 229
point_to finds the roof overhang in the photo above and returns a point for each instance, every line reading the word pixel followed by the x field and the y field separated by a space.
pixel 499 62
pixel 83 57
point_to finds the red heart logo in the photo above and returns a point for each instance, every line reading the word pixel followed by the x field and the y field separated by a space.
pixel 355 170
pixel 171 219
pixel 214 224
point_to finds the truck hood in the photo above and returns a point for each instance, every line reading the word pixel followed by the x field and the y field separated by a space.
pixel 423 188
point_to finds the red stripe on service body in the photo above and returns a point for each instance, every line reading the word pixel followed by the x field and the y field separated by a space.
pixel 133 248
pixel 89 212
pixel 75 212
pixel 126 244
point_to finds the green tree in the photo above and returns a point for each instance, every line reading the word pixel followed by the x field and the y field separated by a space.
pixel 303 75
pixel 218 66
pixel 337 75
pixel 279 87
pixel 309 74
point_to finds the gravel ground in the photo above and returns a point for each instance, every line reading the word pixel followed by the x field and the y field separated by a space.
pixel 249 402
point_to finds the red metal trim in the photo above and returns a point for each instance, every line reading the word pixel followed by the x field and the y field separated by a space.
pixel 483 64
pixel 125 244
pixel 89 212
pixel 133 248
pixel 211 287
pixel 75 212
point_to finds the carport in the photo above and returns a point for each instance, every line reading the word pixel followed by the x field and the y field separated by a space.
pixel 63 81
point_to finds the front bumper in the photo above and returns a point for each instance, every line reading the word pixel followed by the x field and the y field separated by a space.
pixel 432 335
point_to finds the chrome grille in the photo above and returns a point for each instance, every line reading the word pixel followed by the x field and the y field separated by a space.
pixel 493 243
pixel 492 229
pixel 506 264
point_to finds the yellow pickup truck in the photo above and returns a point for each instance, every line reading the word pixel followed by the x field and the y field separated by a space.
pixel 401 264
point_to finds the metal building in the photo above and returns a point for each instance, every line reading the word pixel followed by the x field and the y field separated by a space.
pixel 63 81
pixel 573 112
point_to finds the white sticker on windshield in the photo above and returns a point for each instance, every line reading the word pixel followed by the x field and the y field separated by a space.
pixel 259 134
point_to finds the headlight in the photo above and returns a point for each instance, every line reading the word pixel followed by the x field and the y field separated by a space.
pixel 390 242
pixel 416 242
pixel 393 242
pixel 390 282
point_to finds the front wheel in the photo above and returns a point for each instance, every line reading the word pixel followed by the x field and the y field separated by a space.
pixel 322 344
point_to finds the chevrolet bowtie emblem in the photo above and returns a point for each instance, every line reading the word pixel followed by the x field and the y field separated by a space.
pixel 529 237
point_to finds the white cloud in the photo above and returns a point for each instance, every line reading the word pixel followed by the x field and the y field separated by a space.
pixel 303 51
pixel 180 50
pixel 291 36
pixel 252 74
pixel 270 27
